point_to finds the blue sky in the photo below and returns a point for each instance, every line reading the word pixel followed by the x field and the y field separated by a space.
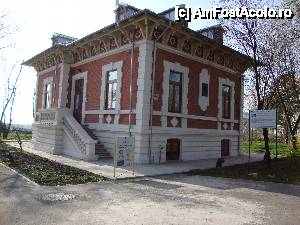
pixel 38 20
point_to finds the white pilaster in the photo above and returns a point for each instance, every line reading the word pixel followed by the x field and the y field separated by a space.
pixel 144 86
pixel 63 85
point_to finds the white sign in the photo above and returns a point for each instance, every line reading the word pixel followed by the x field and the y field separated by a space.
pixel 124 153
pixel 263 118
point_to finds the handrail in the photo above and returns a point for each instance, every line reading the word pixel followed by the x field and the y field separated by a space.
pixel 82 139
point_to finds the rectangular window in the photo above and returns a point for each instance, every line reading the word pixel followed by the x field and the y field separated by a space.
pixel 175 92
pixel 226 101
pixel 111 89
pixel 47 96
pixel 205 89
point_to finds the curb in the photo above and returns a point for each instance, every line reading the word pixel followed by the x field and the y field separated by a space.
pixel 19 174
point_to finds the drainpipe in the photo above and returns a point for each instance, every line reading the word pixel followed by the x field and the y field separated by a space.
pixel 152 93
pixel 130 79
pixel 130 88
pixel 240 137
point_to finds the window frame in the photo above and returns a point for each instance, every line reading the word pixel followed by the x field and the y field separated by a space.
pixel 46 82
pixel 172 108
pixel 114 83
pixel 206 89
pixel 226 114
pixel 47 95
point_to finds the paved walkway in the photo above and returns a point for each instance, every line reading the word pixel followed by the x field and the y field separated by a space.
pixel 180 200
pixel 105 167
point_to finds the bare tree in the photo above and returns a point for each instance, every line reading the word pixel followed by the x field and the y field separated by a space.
pixel 8 101
pixel 282 60
pixel 7 29
pixel 246 36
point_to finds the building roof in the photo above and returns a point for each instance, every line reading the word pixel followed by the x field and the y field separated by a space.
pixel 140 13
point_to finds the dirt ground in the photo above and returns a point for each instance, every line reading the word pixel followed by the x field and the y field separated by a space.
pixel 170 200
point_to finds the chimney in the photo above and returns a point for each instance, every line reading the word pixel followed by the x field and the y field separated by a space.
pixel 60 39
pixel 124 11
pixel 182 22
pixel 214 32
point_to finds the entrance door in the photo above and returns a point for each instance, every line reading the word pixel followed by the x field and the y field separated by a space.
pixel 78 100
pixel 173 149
pixel 225 147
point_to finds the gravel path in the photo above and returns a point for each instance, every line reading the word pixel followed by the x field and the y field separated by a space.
pixel 166 200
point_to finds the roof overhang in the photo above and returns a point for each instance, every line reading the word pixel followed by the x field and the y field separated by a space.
pixel 141 19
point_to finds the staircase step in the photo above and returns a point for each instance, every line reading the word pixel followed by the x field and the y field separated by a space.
pixel 90 132
pixel 104 157
pixel 99 147
pixel 101 151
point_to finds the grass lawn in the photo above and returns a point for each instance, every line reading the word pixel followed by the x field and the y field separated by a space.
pixel 285 170
pixel 42 170
pixel 259 147
pixel 13 136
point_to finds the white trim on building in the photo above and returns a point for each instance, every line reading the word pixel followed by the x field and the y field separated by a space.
pixel 63 85
pixel 168 67
pixel 105 69
pixel 46 81
pixel 230 83
pixel 203 101
pixel 78 76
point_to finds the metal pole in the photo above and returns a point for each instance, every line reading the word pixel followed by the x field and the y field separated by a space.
pixel 130 88
pixel 249 139
pixel 131 74
pixel 276 136
pixel 132 159
pixel 114 159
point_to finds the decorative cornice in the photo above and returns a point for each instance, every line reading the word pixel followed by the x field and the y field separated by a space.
pixel 145 25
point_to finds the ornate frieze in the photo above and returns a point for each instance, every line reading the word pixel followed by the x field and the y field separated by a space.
pixel 187 46
pixel 156 33
pixel 173 41
pixel 147 28
pixel 137 34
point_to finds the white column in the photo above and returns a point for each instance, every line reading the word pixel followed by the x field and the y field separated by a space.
pixel 144 86
pixel 63 85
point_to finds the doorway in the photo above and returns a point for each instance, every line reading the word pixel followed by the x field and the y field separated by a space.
pixel 78 100
pixel 225 147
pixel 173 149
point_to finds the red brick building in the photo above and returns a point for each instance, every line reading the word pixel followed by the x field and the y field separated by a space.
pixel 177 91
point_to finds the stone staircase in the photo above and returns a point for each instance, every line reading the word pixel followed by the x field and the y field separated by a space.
pixel 99 147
